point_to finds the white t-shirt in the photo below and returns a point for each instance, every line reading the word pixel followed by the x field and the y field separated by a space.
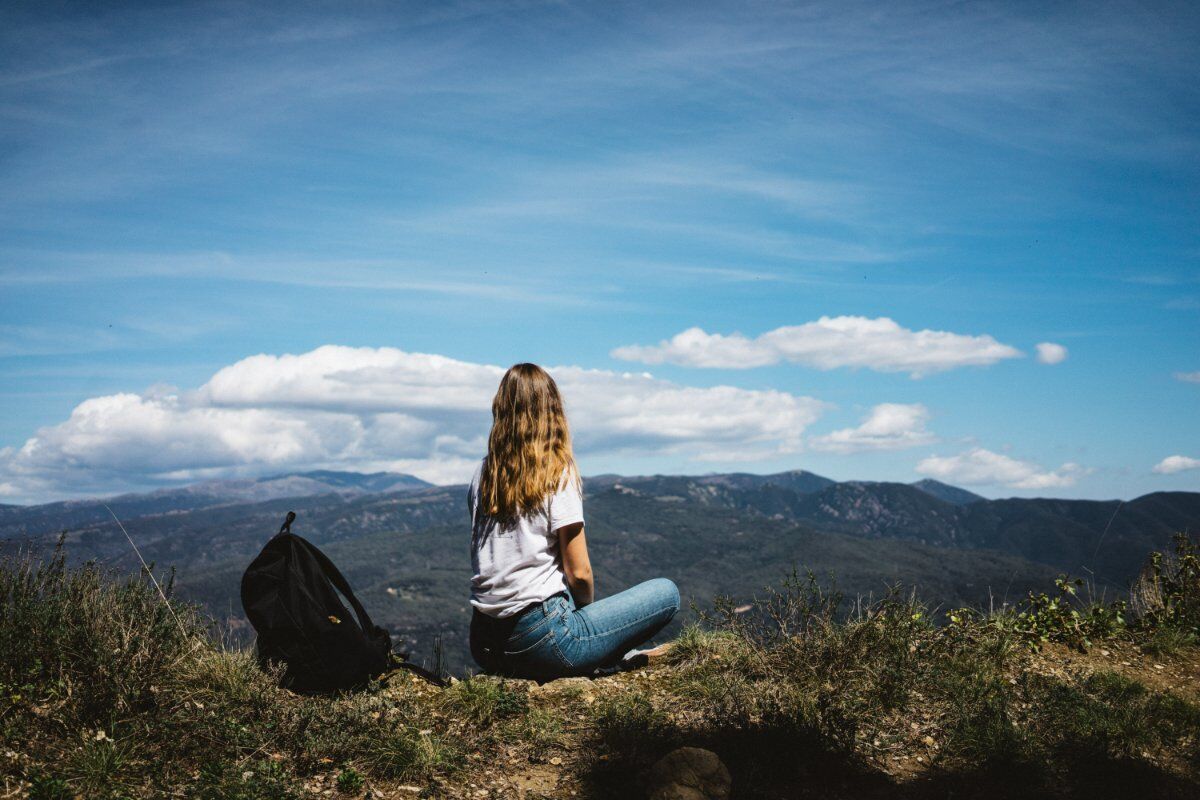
pixel 519 565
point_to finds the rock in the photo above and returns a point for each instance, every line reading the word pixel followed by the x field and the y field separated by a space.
pixel 689 773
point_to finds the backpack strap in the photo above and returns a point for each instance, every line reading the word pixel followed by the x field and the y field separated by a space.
pixel 419 671
pixel 342 585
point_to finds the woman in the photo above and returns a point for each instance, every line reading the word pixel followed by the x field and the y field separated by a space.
pixel 532 590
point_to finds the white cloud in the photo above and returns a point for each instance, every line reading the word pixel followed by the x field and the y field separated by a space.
pixel 889 426
pixel 377 408
pixel 1172 464
pixel 1051 353
pixel 828 343
pixel 1188 377
pixel 978 466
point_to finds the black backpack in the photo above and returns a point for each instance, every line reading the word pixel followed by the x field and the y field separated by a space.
pixel 292 594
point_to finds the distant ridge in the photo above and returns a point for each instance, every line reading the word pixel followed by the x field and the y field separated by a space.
pixel 297 484
pixel 366 481
pixel 944 491
pixel 53 517
pixel 798 480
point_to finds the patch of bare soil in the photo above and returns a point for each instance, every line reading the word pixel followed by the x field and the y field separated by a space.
pixel 1178 674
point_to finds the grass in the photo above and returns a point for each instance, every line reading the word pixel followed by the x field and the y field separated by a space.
pixel 105 693
pixel 808 685
pixel 103 690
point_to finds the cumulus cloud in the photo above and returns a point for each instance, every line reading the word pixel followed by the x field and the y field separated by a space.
pixel 1050 353
pixel 1172 464
pixel 828 343
pixel 1188 377
pixel 377 408
pixel 978 466
pixel 889 426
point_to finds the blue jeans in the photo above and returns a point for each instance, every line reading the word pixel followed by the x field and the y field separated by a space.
pixel 554 639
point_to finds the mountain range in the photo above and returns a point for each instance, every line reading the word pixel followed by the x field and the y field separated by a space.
pixel 66 514
pixel 401 541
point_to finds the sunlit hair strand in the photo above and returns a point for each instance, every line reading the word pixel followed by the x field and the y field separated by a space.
pixel 529 448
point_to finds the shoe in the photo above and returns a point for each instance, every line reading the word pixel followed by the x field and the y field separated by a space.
pixel 652 654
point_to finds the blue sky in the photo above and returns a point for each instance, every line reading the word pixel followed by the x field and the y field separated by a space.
pixel 577 185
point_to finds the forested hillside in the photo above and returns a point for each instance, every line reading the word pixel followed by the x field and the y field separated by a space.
pixel 406 553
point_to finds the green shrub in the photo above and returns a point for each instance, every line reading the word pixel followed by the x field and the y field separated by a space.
pixel 77 633
pixel 968 675
pixel 46 787
pixel 349 781
pixel 1063 618
pixel 484 700
pixel 1167 593
pixel 1167 641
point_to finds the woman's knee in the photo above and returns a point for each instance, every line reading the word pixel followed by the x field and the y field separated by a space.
pixel 666 592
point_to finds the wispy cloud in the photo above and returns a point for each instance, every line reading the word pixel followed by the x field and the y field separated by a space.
pixel 42 340
pixel 148 328
pixel 64 70
pixel 377 274
pixel 239 91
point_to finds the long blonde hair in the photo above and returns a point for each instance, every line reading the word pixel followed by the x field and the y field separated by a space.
pixel 529 449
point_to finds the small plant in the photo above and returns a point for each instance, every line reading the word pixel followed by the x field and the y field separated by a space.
pixel 1063 618
pixel 485 700
pixel 46 787
pixel 404 753
pixel 540 729
pixel 800 606
pixel 1167 593
pixel 254 780
pixel 629 722
pixel 1167 641
pixel 349 781
pixel 97 766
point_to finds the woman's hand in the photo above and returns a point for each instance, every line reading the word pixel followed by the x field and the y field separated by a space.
pixel 572 546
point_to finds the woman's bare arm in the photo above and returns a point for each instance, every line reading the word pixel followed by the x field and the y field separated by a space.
pixel 576 564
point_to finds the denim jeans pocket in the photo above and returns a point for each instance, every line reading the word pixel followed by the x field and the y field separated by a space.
pixel 525 644
pixel 543 658
pixel 531 626
pixel 561 646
